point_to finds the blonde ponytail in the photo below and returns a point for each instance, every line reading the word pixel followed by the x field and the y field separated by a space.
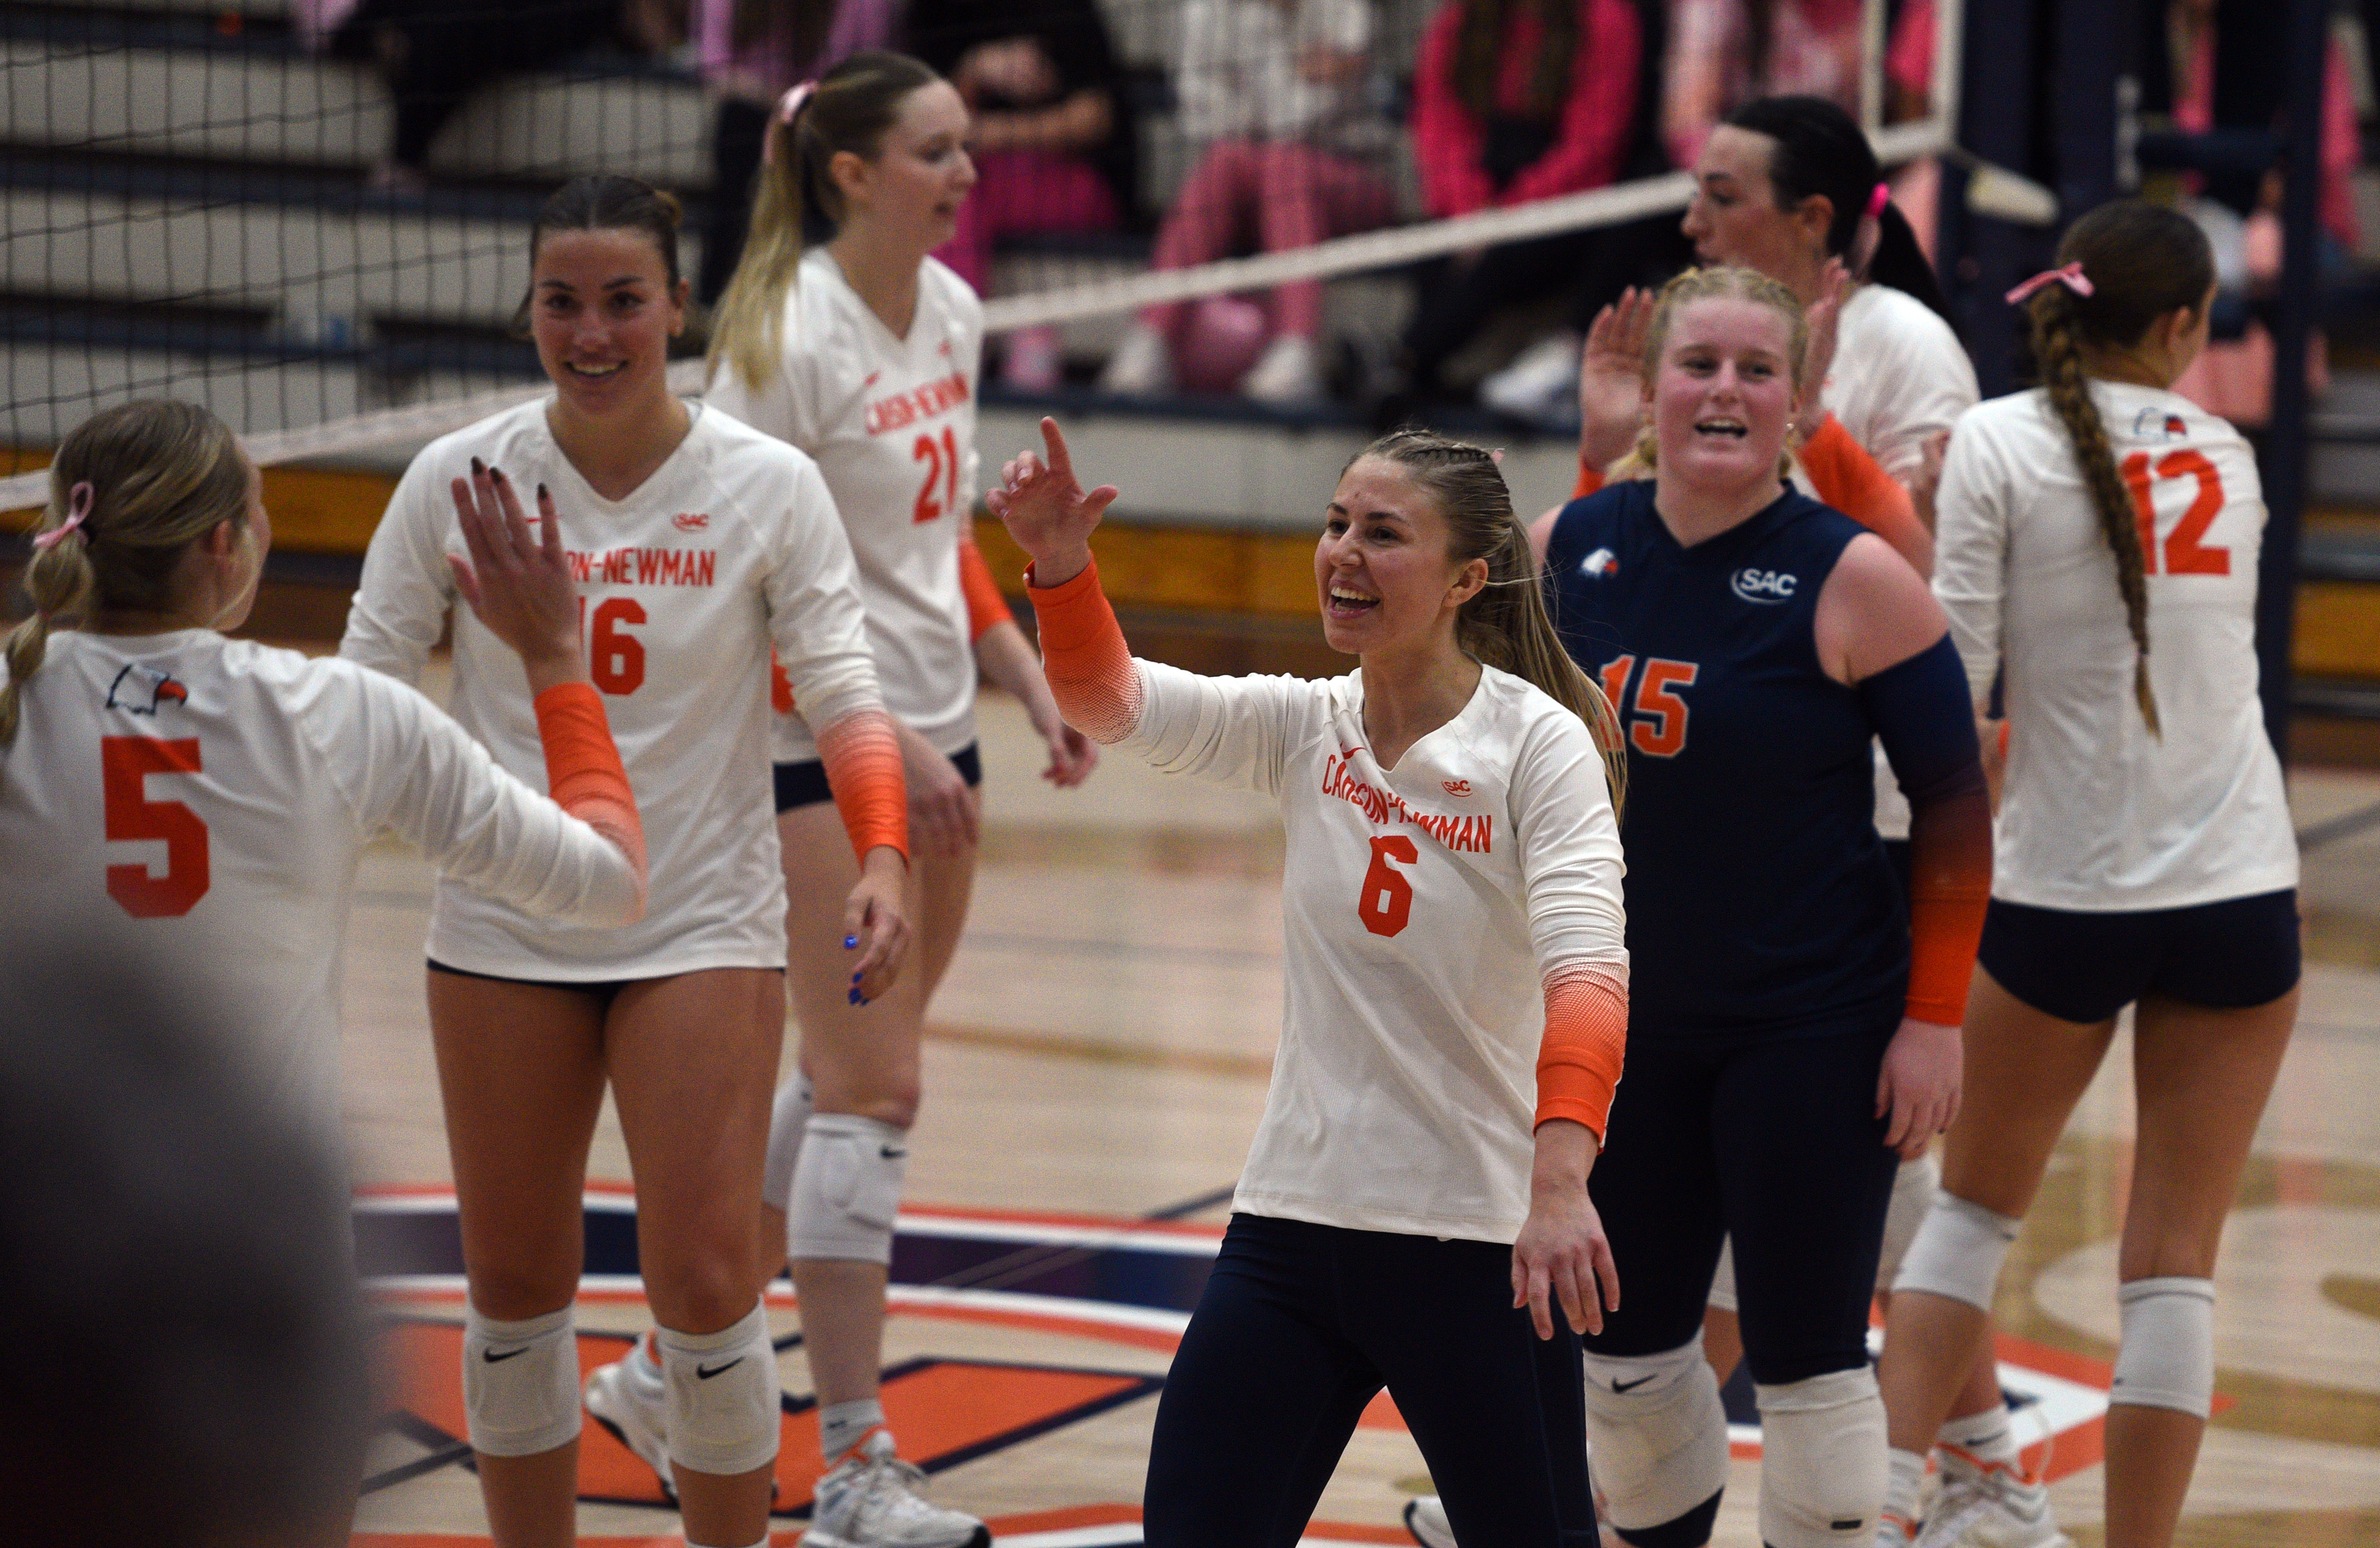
pixel 797 201
pixel 160 475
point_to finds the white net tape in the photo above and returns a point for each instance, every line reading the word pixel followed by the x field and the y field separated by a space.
pixel 1370 252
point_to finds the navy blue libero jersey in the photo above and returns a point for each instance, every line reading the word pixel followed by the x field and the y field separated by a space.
pixel 1759 896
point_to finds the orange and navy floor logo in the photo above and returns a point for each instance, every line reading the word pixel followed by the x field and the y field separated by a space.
pixel 1130 1283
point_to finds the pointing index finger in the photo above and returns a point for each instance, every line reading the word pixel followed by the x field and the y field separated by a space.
pixel 1055 440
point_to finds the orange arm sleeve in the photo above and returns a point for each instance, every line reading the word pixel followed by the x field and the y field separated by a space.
pixel 1855 483
pixel 1950 888
pixel 1083 655
pixel 1586 1034
pixel 1589 480
pixel 986 608
pixel 862 754
pixel 583 770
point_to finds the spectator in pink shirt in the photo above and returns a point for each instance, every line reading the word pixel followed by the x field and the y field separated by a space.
pixel 1513 101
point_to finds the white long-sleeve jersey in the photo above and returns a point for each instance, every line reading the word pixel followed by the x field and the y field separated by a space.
pixel 1423 909
pixel 2097 812
pixel 730 546
pixel 199 804
pixel 891 422
pixel 1900 375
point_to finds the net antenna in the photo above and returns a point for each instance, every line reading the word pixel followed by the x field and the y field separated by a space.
pixel 177 191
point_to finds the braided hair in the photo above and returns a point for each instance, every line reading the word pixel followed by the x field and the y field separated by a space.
pixel 2144 262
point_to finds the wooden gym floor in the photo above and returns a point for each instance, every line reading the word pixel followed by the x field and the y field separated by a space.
pixel 1095 1066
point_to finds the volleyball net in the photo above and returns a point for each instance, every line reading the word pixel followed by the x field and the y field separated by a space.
pixel 314 219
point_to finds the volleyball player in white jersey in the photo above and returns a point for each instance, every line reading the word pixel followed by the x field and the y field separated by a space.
pixel 698 543
pixel 2100 537
pixel 865 353
pixel 200 802
pixel 1455 1018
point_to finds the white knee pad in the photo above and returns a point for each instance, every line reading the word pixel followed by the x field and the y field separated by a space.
pixel 520 1383
pixel 788 1121
pixel 847 1189
pixel 1958 1252
pixel 1823 1464
pixel 1657 1432
pixel 2167 1356
pixel 1914 1187
pixel 722 1396
pixel 1723 1277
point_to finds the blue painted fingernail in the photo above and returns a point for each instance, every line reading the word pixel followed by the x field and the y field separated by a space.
pixel 850 942
pixel 855 978
pixel 855 999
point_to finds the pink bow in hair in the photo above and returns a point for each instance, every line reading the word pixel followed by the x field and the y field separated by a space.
pixel 78 506
pixel 2071 276
pixel 1877 200
pixel 789 107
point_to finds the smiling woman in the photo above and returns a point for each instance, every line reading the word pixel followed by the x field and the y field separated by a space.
pixel 1788 1031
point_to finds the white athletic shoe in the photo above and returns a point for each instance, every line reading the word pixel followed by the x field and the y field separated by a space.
pixel 1141 367
pixel 1540 387
pixel 873 1499
pixel 1287 375
pixel 1425 1518
pixel 631 1404
pixel 1989 1506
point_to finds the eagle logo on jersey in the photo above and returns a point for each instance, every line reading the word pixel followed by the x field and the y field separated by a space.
pixel 1601 562
pixel 1766 587
pixel 2157 425
pixel 138 690
pixel 690 521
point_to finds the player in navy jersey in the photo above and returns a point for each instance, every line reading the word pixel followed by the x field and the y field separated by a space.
pixel 1789 1032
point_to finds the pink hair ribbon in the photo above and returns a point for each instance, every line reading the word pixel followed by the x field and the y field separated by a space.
pixel 1878 199
pixel 78 507
pixel 789 108
pixel 2071 276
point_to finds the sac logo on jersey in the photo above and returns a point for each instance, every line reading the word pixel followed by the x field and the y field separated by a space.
pixel 1767 587
pixel 1457 788
pixel 691 521
pixel 138 690
pixel 1600 563
pixel 2157 425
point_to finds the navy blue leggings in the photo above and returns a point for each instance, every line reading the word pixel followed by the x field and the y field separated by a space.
pixel 1774 1142
pixel 1300 1325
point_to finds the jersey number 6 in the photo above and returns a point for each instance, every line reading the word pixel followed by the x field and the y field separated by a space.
pixel 615 658
pixel 1387 903
pixel 125 764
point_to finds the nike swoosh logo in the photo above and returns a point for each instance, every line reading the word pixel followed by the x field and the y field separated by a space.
pixel 706 1372
pixel 889 1153
pixel 1631 1386
pixel 494 1358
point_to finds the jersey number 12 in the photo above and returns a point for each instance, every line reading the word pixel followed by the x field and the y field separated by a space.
pixel 2183 553
pixel 125 764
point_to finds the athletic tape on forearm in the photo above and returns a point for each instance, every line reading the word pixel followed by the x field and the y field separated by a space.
pixel 1084 656
pixel 862 755
pixel 1586 1040
pixel 1919 710
pixel 986 608
pixel 583 769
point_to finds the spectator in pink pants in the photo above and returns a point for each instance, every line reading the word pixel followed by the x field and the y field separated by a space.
pixel 1053 147
pixel 1278 92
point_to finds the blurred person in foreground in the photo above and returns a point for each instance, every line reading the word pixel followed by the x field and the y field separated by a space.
pixel 174 1257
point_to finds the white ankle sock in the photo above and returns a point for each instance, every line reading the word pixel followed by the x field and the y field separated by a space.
pixel 1987 1436
pixel 842 1426
pixel 1902 1484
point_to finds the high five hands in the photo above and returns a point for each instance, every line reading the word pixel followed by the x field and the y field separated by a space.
pixel 1047 510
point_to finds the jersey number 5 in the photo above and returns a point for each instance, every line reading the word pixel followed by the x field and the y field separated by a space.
pixel 1657 723
pixel 1387 903
pixel 125 764
pixel 942 471
pixel 2183 553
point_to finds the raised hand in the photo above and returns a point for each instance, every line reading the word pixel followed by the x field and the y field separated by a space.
pixel 1825 316
pixel 1047 510
pixel 518 582
pixel 1611 376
